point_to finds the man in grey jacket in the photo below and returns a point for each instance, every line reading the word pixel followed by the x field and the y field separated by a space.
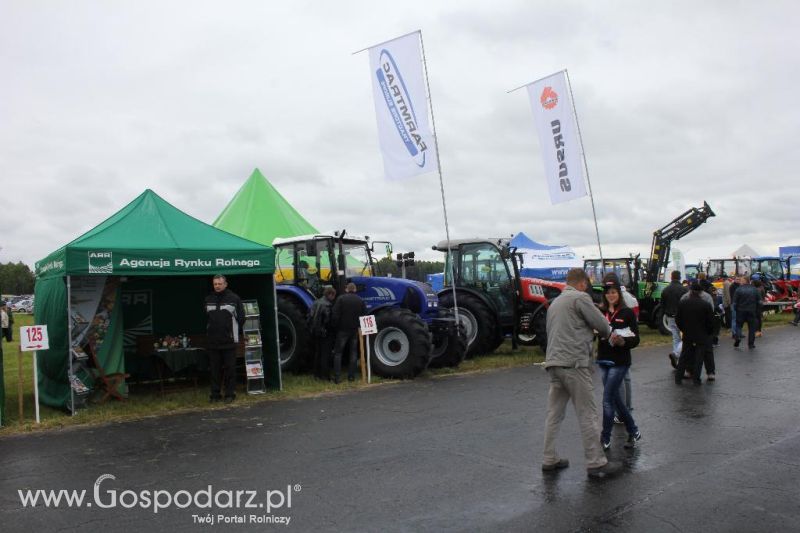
pixel 572 320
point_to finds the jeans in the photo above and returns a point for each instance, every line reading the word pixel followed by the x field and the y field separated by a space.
pixel 626 391
pixel 612 401
pixel 676 335
pixel 345 340
pixel 735 329
pixel 750 318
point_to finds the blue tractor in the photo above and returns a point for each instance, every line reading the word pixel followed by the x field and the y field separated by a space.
pixel 413 331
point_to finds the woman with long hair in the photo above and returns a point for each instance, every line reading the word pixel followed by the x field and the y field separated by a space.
pixel 614 359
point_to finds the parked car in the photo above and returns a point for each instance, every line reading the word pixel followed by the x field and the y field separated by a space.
pixel 23 306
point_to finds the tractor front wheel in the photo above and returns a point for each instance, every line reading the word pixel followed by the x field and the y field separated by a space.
pixel 402 347
pixel 449 348
pixel 479 322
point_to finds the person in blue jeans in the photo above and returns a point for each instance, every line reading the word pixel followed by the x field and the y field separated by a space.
pixel 614 359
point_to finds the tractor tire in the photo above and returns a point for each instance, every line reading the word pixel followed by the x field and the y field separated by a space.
pixel 449 350
pixel 479 321
pixel 661 322
pixel 402 347
pixel 539 337
pixel 294 337
pixel 540 327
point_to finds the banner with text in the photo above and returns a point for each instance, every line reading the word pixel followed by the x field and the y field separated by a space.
pixel 398 85
pixel 558 138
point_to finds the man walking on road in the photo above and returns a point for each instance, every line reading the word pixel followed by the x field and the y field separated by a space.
pixel 746 302
pixel 696 320
pixel 571 321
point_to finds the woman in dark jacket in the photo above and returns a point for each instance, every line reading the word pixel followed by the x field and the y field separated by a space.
pixel 614 358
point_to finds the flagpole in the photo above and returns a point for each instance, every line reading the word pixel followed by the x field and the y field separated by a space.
pixel 586 168
pixel 441 179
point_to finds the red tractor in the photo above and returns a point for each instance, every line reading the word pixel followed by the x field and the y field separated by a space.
pixel 774 273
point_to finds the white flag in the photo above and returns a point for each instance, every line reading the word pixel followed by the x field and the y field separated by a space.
pixel 555 124
pixel 398 85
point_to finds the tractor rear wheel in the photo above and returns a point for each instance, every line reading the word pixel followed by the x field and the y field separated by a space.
pixel 402 347
pixel 480 323
pixel 294 337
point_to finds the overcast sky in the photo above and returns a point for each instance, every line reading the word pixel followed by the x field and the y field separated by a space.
pixel 678 102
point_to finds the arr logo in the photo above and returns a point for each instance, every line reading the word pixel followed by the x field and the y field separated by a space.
pixel 100 263
pixel 549 98
pixel 401 108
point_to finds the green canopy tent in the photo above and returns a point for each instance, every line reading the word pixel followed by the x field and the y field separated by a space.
pixel 149 248
pixel 258 212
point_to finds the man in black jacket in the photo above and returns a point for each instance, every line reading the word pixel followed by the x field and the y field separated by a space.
pixel 695 318
pixel 746 302
pixel 223 332
pixel 670 297
pixel 344 317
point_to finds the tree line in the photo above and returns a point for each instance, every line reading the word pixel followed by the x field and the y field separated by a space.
pixel 418 272
pixel 16 278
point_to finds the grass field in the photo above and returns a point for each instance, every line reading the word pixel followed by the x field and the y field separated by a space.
pixel 149 402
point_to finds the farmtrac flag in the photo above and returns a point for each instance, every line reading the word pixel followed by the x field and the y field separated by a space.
pixel 558 138
pixel 407 142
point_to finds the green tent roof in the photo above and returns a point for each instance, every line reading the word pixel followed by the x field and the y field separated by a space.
pixel 258 212
pixel 149 236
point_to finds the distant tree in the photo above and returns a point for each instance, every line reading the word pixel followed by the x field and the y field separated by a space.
pixel 16 278
pixel 418 272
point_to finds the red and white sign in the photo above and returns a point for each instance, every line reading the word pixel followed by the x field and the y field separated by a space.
pixel 33 338
pixel 368 325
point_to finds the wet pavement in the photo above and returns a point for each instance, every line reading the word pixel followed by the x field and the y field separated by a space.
pixel 459 453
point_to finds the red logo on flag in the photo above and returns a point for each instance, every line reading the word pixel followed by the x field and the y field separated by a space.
pixel 549 98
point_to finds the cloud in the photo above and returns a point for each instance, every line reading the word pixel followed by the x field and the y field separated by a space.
pixel 678 103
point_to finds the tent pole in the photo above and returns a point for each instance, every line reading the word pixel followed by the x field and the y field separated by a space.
pixel 277 333
pixel 69 345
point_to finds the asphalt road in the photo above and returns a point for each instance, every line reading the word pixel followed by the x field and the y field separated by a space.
pixel 459 453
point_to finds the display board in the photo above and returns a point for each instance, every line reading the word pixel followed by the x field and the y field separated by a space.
pixel 253 349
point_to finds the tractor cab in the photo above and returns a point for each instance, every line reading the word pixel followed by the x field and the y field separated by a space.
pixel 627 269
pixel 773 268
pixel 721 269
pixel 692 270
pixel 314 261
pixel 484 267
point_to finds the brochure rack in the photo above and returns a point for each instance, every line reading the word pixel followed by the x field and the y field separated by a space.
pixel 253 362
pixel 79 360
